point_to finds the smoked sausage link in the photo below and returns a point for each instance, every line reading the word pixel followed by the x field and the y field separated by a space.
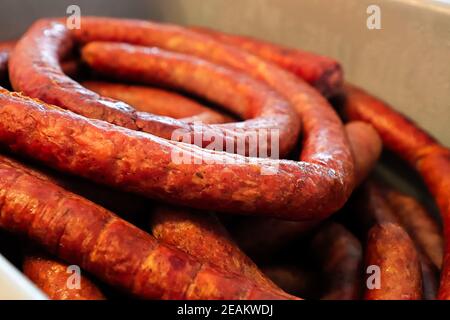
pixel 421 151
pixel 324 73
pixel 52 277
pixel 262 236
pixel 157 101
pixel 48 41
pixel 82 233
pixel 324 139
pixel 325 146
pixel 147 165
pixel 391 250
pixel 421 226
pixel 202 236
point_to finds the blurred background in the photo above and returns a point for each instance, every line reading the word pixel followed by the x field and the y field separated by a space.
pixel 406 62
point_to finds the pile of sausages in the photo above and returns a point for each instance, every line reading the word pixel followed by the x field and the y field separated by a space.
pixel 87 122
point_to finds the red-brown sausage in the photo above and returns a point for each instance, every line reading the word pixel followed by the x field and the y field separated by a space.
pixel 323 130
pixel 157 101
pixel 265 111
pixel 114 200
pixel 147 165
pixel 366 147
pixel 435 168
pixel 398 133
pixel 187 231
pixel 70 66
pixel 321 72
pixel 391 250
pixel 421 151
pixel 325 144
pixel 199 234
pixel 425 233
pixel 48 41
pixel 422 228
pixel 202 236
pixel 82 233
pixel 374 208
pixel 52 277
pixel 260 236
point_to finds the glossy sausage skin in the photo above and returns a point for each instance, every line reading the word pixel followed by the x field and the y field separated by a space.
pixel 265 236
pixel 324 140
pixel 48 41
pixel 366 147
pixel 199 234
pixel 391 249
pixel 82 233
pixel 388 247
pixel 52 277
pixel 325 146
pixel 144 164
pixel 264 110
pixel 119 202
pixel 425 233
pixel 375 206
pixel 423 229
pixel 399 134
pixel 324 73
pixel 157 101
pixel 69 67
pixel 435 168
pixel 202 236
pixel 421 151
pixel 324 136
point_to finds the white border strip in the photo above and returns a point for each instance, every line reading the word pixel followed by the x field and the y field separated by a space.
pixel 15 286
